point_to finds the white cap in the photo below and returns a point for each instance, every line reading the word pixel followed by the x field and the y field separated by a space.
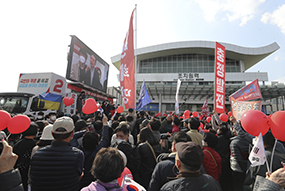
pixel 47 133
pixel 63 122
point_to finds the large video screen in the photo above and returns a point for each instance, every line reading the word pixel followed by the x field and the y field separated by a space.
pixel 86 66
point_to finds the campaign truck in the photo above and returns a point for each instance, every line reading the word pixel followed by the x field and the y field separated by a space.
pixel 36 92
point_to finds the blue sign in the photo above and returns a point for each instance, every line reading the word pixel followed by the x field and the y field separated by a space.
pixel 150 107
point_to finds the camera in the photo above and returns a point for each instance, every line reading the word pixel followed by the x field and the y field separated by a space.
pixel 164 136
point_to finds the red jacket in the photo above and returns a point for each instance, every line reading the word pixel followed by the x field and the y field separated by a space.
pixel 175 128
pixel 211 167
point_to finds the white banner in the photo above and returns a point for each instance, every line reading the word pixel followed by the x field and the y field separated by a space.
pixel 176 97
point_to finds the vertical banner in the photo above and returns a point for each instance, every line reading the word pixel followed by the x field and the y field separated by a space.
pixel 127 68
pixel 219 96
pixel 205 108
pixel 176 96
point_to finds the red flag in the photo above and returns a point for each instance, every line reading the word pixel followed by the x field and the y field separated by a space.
pixel 249 92
pixel 205 108
pixel 127 69
pixel 220 78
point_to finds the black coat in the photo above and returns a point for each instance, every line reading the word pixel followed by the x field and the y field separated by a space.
pixel 148 162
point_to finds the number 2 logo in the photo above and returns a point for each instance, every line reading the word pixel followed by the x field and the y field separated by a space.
pixel 58 86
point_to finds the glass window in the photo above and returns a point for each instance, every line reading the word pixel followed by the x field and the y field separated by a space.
pixel 185 63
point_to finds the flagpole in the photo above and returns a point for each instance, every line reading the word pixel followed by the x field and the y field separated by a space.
pixel 136 58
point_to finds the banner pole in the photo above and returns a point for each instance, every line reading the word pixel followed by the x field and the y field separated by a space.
pixel 136 58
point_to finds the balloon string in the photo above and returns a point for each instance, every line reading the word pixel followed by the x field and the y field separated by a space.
pixel 266 164
pixel 272 154
pixel 8 137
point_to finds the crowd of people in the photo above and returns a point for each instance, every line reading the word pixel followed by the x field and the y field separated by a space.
pixel 101 151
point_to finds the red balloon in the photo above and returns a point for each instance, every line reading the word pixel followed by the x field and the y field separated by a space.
pixel 187 113
pixel 208 119
pixel 4 119
pixel 201 126
pixel 120 109
pixel 277 125
pixel 255 122
pixel 224 117
pixel 19 124
pixel 230 114
pixel 68 101
pixel 90 106
pixel 159 113
pixel 195 114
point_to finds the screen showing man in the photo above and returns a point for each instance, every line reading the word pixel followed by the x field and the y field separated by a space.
pixel 86 67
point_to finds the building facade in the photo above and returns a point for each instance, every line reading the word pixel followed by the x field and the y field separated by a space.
pixel 193 63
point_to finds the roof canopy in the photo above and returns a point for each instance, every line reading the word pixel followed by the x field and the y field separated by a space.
pixel 201 92
pixel 250 56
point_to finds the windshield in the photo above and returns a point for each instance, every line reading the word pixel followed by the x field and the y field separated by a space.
pixel 13 104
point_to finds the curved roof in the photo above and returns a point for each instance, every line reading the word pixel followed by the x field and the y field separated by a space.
pixel 250 56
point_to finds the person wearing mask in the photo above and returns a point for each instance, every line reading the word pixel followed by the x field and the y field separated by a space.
pixel 40 116
pixel 51 117
pixel 78 69
pixel 122 143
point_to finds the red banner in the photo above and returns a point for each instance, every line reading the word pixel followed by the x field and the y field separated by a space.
pixel 127 69
pixel 249 92
pixel 239 107
pixel 205 108
pixel 220 57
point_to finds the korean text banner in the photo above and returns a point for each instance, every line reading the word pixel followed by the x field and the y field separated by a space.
pixel 220 57
pixel 239 107
pixel 249 92
pixel 127 69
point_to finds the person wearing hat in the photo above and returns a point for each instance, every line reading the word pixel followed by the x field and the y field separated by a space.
pixel 188 161
pixel 58 166
pixel 45 139
pixel 165 167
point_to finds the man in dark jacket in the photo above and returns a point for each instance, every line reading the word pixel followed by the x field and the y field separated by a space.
pixel 188 160
pixel 58 166
pixel 23 149
pixel 165 168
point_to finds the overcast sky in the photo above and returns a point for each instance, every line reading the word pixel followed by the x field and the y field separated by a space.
pixel 35 34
